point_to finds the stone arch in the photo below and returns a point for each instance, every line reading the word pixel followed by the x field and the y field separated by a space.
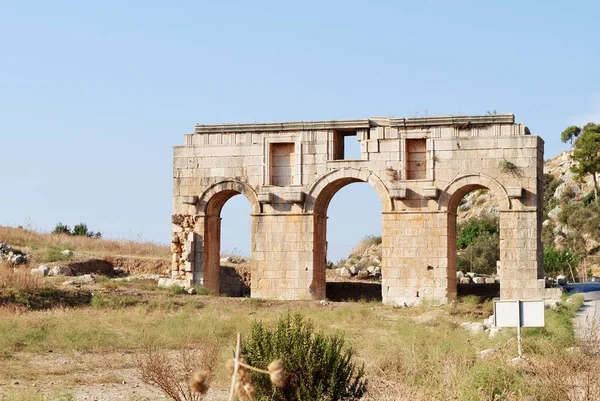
pixel 449 200
pixel 209 207
pixel 462 185
pixel 212 200
pixel 327 185
pixel 317 202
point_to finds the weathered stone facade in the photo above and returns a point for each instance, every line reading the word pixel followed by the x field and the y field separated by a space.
pixel 419 167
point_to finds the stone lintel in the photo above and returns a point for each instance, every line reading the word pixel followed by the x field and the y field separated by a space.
pixel 292 196
pixel 189 200
pixel 264 197
pixel 514 192
pixel 291 126
pixel 452 120
pixel 398 193
pixel 343 125
pixel 430 192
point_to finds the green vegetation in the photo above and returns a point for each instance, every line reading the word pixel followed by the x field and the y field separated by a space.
pixel 80 230
pixel 586 150
pixel 479 242
pixel 319 366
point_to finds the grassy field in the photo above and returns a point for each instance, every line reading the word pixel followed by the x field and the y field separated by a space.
pixel 76 343
pixel 409 354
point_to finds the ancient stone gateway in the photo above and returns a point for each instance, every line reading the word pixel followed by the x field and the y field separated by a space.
pixel 419 167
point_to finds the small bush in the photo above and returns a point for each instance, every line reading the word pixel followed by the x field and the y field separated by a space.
pixel 80 230
pixel 61 229
pixel 472 228
pixel 184 377
pixel 320 367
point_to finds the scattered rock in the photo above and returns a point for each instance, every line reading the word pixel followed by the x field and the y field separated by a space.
pixel 324 303
pixel 374 271
pixel 465 280
pixel 354 270
pixel 43 271
pixel 191 291
pixel 473 328
pixel 67 252
pixel 85 279
pixel 486 353
pixel 493 331
pixel 343 272
pixel 478 280
pixel 62 271
pixel 363 274
pixel 170 282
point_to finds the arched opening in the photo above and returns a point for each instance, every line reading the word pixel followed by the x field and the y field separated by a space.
pixel 227 241
pixel 344 215
pixel 473 243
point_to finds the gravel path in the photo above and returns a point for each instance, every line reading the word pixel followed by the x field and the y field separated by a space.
pixel 587 322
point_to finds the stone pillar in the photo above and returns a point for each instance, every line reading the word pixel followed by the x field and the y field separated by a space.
pixel 282 258
pixel 414 258
pixel 520 255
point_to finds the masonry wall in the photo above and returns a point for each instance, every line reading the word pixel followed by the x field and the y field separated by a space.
pixel 289 172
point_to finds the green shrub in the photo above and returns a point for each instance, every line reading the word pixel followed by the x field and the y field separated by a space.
pixel 472 228
pixel 320 367
pixel 588 198
pixel 559 261
pixel 481 254
pixel 61 228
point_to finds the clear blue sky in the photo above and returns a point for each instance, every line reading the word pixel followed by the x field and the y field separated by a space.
pixel 94 94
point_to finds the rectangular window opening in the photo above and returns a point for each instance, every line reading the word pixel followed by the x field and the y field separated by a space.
pixel 282 161
pixel 346 146
pixel 416 159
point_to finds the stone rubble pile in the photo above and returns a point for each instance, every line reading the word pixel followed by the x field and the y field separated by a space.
pixel 475 278
pixel 236 260
pixel 362 263
pixel 12 255
pixel 487 326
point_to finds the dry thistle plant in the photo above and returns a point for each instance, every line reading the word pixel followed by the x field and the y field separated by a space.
pixel 241 378
pixel 185 376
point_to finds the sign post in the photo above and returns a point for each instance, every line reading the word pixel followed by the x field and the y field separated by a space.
pixel 519 313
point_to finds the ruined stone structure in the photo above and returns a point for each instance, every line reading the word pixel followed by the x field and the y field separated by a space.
pixel 419 167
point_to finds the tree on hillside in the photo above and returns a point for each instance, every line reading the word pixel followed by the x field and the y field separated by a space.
pixel 570 134
pixel 586 151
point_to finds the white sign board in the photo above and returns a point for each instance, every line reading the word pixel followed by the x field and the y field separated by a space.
pixel 515 313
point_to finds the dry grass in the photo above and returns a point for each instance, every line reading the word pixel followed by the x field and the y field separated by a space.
pixel 172 372
pixel 19 280
pixel 409 354
pixel 20 237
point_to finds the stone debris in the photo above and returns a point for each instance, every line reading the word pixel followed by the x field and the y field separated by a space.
pixel 487 326
pixel 42 270
pixel 11 255
pixel 170 282
pixel 67 252
pixel 61 271
pixel 236 260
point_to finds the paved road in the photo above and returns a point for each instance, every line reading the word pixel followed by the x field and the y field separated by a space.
pixel 587 322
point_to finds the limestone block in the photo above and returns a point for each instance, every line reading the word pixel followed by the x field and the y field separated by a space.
pixel 430 192
pixel 514 192
pixel 265 197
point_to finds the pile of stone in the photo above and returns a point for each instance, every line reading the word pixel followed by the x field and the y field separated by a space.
pixel 359 272
pixel 475 278
pixel 236 260
pixel 487 326
pixel 363 263
pixel 11 255
pixel 45 270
